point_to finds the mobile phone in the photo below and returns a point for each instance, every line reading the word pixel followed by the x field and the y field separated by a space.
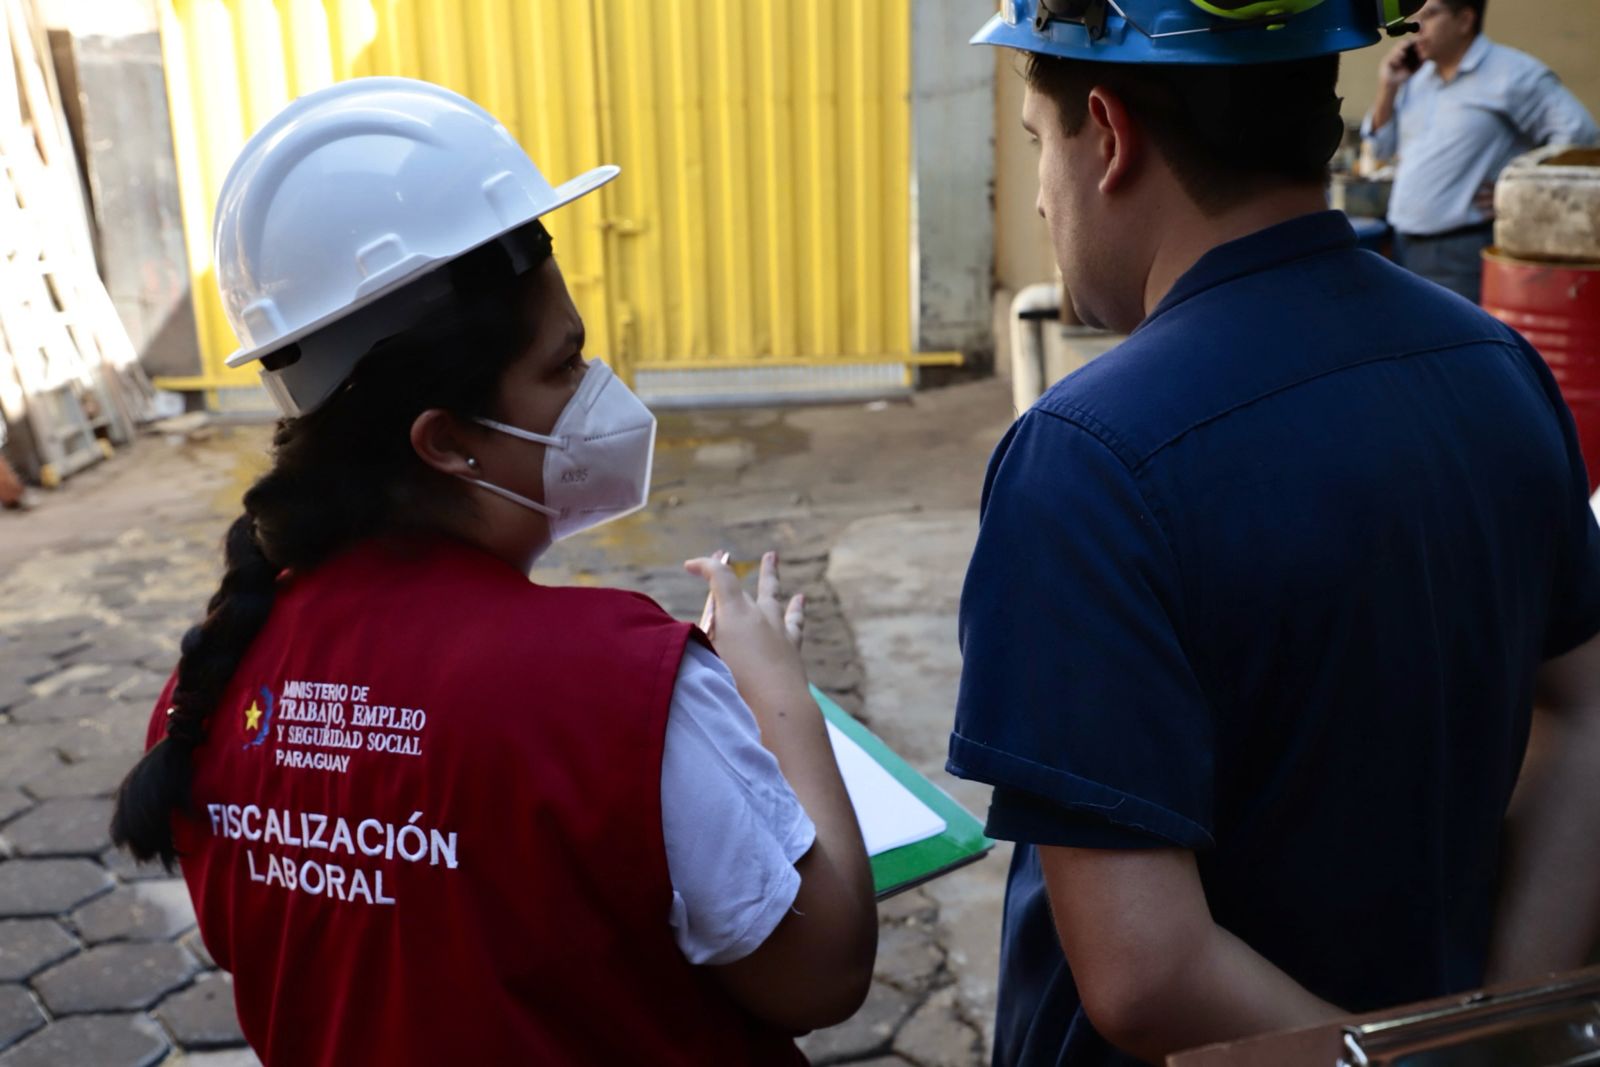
pixel 1411 59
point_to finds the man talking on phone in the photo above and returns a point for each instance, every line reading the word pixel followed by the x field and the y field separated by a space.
pixel 1456 108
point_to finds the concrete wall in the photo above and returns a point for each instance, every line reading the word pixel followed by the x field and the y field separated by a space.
pixel 952 120
pixel 1563 33
pixel 1021 245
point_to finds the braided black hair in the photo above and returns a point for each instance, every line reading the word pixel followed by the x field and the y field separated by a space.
pixel 342 473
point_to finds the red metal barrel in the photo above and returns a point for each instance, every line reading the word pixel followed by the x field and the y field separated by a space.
pixel 1556 306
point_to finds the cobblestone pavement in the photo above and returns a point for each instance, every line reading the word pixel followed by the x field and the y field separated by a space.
pixel 100 962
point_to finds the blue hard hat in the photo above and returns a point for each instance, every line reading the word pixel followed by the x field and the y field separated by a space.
pixel 1217 32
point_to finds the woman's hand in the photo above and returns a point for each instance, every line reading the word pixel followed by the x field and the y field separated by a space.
pixel 757 637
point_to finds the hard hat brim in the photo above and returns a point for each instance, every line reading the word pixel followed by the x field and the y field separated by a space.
pixel 563 194
pixel 1303 37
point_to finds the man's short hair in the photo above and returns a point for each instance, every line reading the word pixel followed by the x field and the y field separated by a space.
pixel 1477 6
pixel 1229 133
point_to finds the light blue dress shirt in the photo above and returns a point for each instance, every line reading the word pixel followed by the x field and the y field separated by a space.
pixel 1454 137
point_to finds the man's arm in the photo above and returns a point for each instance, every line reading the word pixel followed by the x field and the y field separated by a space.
pixel 1155 973
pixel 1549 910
pixel 1381 127
pixel 1547 113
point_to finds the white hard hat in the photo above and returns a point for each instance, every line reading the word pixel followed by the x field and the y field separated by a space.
pixel 349 194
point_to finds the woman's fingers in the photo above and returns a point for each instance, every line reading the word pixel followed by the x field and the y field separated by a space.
pixel 708 614
pixel 794 619
pixel 718 575
pixel 767 580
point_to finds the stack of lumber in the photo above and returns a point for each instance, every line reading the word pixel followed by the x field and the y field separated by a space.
pixel 71 388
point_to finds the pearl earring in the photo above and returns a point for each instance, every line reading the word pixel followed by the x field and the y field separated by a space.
pixel 472 462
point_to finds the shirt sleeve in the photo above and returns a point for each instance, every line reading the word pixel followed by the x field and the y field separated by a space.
pixel 1385 142
pixel 733 826
pixel 1575 606
pixel 1076 689
pixel 1547 112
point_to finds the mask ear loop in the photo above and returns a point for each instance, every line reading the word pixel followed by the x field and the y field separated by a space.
pixel 526 435
pixel 515 498
pixel 517 431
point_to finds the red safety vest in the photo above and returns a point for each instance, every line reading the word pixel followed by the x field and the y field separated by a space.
pixel 426 825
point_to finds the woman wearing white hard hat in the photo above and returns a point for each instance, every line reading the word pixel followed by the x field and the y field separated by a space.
pixel 427 809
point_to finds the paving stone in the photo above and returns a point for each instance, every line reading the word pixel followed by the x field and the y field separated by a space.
pixel 28 669
pixel 102 678
pixel 73 679
pixel 233 1057
pixel 72 741
pixel 160 610
pixel 101 1040
pixel 13 691
pixel 48 887
pixel 61 626
pixel 117 646
pixel 913 906
pixel 868 1030
pixel 25 751
pixel 908 957
pixel 91 778
pixel 28 946
pixel 197 948
pixel 54 647
pixel 141 911
pixel 936 1037
pixel 17 765
pixel 203 1016
pixel 125 976
pixel 64 707
pixel 19 1014
pixel 126 868
pixel 127 567
pixel 12 802
pixel 67 826
pixel 142 686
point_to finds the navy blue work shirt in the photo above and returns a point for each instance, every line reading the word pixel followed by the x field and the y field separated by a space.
pixel 1270 581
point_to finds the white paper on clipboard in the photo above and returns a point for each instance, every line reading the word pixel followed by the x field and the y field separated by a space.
pixel 889 814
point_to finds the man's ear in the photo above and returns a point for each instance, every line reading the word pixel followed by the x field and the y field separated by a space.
pixel 439 440
pixel 1117 139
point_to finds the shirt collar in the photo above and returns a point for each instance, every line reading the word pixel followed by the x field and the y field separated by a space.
pixel 1308 235
pixel 1476 51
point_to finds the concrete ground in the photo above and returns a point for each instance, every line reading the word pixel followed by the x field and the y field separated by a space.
pixel 872 508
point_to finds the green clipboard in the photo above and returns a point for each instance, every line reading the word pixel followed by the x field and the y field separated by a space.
pixel 902 868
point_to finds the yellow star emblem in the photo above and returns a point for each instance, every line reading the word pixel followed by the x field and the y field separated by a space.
pixel 252 717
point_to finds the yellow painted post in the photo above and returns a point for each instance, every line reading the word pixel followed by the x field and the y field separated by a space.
pixel 822 238
pixel 639 265
pixel 688 159
pixel 895 176
pixel 866 161
pixel 308 46
pixel 491 59
pixel 583 223
pixel 732 190
pixel 777 158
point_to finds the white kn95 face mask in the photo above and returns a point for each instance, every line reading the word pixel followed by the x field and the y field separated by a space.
pixel 597 457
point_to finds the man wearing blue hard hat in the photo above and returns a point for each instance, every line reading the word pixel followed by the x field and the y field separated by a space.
pixel 1263 598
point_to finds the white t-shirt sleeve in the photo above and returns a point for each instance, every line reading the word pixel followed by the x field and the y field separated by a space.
pixel 733 826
